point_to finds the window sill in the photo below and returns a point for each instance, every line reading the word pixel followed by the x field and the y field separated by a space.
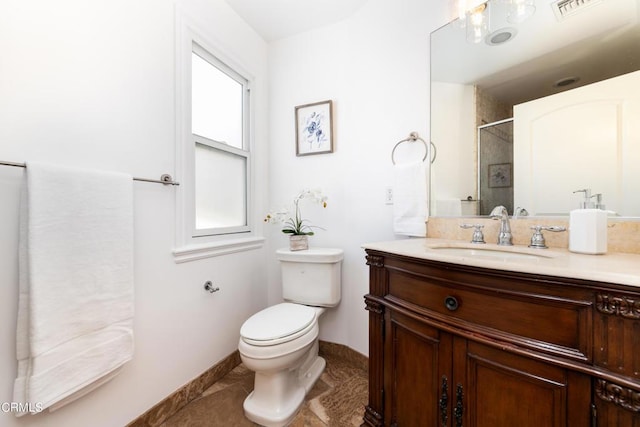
pixel 212 249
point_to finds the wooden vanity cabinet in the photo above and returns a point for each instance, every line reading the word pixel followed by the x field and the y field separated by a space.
pixel 453 345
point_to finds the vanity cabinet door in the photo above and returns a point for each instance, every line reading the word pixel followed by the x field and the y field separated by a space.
pixel 417 372
pixel 504 389
pixel 621 409
pixel 617 344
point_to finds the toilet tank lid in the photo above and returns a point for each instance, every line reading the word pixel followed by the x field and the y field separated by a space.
pixel 278 321
pixel 310 255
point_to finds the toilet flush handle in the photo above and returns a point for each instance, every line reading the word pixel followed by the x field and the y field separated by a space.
pixel 208 286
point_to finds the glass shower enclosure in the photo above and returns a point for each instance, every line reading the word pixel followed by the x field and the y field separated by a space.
pixel 495 166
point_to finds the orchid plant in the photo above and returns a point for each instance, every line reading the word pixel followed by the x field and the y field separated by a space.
pixel 294 224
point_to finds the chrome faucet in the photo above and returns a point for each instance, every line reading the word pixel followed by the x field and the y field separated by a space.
pixel 520 212
pixel 504 236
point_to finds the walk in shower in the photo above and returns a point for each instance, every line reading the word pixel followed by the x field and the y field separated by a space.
pixel 495 166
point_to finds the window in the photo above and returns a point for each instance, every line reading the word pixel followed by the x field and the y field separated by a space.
pixel 213 152
pixel 219 101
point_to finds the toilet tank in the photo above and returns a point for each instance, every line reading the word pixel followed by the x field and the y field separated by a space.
pixel 312 276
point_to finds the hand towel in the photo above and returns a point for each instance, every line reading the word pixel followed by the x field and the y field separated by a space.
pixel 410 199
pixel 75 307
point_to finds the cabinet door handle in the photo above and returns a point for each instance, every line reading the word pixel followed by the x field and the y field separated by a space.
pixel 458 411
pixel 443 402
pixel 451 303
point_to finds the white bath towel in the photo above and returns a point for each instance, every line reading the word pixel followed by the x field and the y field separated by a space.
pixel 410 199
pixel 75 308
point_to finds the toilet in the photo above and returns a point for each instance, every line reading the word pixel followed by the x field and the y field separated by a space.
pixel 280 343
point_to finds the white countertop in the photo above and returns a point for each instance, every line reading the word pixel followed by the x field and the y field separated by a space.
pixel 620 268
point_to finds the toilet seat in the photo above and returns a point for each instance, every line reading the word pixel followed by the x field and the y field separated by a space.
pixel 278 324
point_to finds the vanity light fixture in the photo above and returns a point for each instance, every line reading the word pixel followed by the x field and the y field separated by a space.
pixel 478 23
pixel 474 16
pixel 463 9
pixel 520 10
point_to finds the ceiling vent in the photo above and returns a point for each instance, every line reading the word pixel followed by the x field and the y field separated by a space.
pixel 566 8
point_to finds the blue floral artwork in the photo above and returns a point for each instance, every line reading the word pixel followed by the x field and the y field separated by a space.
pixel 500 175
pixel 314 128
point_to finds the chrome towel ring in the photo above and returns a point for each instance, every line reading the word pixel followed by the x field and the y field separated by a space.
pixel 413 137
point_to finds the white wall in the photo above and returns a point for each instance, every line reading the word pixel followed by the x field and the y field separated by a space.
pixel 453 131
pixel 92 84
pixel 375 66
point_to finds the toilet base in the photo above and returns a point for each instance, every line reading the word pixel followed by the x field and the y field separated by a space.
pixel 277 397
pixel 311 369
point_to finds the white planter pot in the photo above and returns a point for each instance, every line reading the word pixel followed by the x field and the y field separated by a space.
pixel 298 242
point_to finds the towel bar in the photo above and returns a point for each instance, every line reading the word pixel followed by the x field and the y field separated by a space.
pixel 165 179
pixel 413 136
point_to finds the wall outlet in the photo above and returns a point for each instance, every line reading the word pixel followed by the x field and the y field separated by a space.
pixel 388 196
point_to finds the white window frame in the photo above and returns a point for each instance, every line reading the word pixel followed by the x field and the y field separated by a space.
pixel 192 244
pixel 243 152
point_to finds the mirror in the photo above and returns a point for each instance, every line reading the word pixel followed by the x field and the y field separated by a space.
pixel 495 166
pixel 541 73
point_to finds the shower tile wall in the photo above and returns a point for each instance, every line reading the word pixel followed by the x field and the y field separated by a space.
pixel 488 110
pixel 496 160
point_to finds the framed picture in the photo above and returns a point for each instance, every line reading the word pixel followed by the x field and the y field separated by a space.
pixel 500 175
pixel 314 131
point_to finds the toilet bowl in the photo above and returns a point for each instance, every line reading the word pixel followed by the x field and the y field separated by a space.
pixel 280 343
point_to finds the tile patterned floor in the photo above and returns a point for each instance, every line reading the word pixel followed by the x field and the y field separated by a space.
pixel 337 399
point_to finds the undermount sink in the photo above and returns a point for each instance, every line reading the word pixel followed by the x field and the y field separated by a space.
pixel 494 252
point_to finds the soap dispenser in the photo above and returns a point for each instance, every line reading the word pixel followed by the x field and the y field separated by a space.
pixel 587 227
pixel 586 202
pixel 599 204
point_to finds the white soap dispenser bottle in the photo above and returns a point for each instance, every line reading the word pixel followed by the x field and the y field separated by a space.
pixel 587 227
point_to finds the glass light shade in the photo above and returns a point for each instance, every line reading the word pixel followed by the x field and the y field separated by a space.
pixel 461 14
pixel 462 9
pixel 520 10
pixel 477 23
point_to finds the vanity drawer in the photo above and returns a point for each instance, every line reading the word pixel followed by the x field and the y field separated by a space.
pixel 549 323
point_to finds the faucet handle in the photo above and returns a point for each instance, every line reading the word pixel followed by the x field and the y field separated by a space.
pixel 477 237
pixel 537 240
